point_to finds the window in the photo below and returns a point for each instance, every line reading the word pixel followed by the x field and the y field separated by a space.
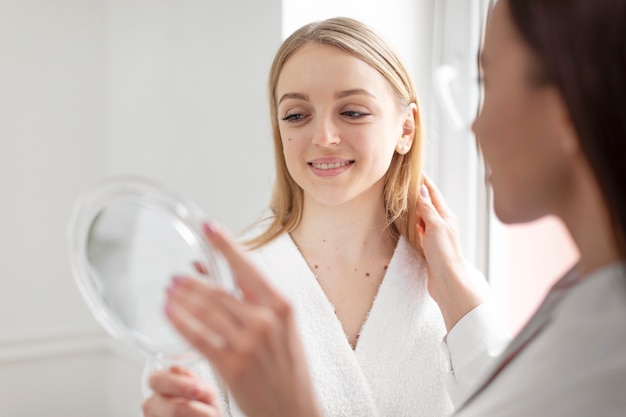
pixel 520 261
pixel 439 40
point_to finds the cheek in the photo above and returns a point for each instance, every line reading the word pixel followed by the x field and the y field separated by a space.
pixel 505 129
pixel 529 175
pixel 291 141
pixel 290 153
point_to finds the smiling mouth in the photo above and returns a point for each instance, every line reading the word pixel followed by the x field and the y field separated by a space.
pixel 332 165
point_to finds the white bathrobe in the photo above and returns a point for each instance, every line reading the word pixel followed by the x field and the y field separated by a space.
pixel 398 367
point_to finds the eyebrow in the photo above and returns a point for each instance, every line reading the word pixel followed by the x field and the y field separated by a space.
pixel 295 96
pixel 352 92
pixel 338 95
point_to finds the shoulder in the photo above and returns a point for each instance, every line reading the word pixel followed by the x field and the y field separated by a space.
pixel 257 228
pixel 599 297
pixel 408 258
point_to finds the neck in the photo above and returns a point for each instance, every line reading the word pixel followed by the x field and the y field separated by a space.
pixel 349 231
pixel 587 219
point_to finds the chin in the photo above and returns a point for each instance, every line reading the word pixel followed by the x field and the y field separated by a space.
pixel 514 213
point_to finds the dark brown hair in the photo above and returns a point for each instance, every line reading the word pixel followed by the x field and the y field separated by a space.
pixel 581 47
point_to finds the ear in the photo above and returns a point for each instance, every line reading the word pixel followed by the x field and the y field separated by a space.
pixel 409 124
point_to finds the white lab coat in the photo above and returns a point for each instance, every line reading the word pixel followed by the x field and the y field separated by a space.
pixel 574 367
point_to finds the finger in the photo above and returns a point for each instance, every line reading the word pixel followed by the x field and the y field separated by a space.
pixel 429 215
pixel 421 226
pixel 159 406
pixel 236 321
pixel 169 384
pixel 204 339
pixel 224 355
pixel 249 279
pixel 208 312
pixel 202 391
pixel 200 268
pixel 177 369
pixel 437 198
pixel 199 294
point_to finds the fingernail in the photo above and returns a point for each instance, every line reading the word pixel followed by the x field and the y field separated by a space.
pixel 209 228
pixel 169 309
pixel 195 392
pixel 177 279
pixel 200 268
pixel 424 191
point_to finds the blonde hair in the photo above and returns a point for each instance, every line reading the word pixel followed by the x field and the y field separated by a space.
pixel 402 177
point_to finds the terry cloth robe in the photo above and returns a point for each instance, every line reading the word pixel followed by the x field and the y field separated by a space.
pixel 398 367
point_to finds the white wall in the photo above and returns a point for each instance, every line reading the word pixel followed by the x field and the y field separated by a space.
pixel 89 88
pixel 175 91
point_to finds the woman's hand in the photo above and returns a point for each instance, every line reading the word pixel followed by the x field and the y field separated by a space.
pixel 178 392
pixel 251 341
pixel 450 284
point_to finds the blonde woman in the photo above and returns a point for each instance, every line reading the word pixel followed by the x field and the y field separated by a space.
pixel 342 243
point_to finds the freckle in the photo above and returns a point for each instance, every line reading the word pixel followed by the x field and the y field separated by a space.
pixel 316 267
pixel 324 240
pixel 354 269
pixel 367 274
pixel 385 267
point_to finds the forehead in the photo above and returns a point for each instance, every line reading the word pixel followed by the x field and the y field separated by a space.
pixel 500 33
pixel 327 65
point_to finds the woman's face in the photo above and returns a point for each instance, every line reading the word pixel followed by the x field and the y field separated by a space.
pixel 339 124
pixel 523 128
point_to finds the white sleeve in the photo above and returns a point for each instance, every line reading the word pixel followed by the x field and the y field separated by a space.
pixel 471 347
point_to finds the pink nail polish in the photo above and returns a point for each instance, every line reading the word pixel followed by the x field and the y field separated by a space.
pixel 200 268
pixel 208 227
pixel 169 309
pixel 423 191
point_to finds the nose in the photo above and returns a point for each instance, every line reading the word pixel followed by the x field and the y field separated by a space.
pixel 325 133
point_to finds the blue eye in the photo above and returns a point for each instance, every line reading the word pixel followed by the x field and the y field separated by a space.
pixel 293 117
pixel 355 114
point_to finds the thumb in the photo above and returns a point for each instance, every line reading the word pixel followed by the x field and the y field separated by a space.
pixel 425 207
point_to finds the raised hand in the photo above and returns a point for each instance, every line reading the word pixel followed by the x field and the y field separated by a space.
pixel 251 341
pixel 450 283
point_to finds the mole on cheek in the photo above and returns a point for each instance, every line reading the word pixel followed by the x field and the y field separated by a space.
pixel 367 274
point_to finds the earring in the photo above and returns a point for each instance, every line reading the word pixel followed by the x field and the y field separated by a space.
pixel 402 149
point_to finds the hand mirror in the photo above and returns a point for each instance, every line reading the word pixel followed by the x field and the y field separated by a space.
pixel 127 238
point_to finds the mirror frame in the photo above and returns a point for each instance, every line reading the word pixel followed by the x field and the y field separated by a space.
pixel 188 224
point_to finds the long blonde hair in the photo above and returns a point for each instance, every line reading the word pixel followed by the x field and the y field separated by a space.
pixel 403 176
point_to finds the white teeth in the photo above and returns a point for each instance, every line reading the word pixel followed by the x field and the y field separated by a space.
pixel 332 165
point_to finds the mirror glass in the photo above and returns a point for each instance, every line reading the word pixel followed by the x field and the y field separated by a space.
pixel 128 237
